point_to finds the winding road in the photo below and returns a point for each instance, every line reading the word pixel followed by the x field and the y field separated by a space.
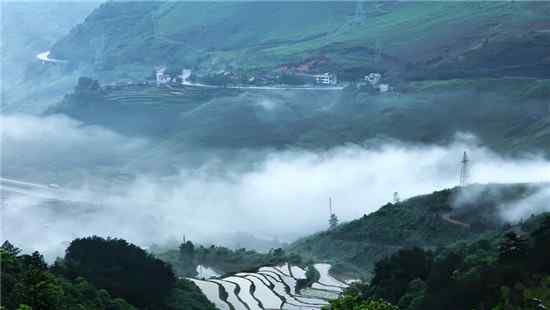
pixel 45 58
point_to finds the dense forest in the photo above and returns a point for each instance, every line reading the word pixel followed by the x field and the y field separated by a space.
pixel 224 260
pixel 499 271
pixel 96 273
pixel 421 221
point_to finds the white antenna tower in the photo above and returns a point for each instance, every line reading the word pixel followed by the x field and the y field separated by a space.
pixel 333 219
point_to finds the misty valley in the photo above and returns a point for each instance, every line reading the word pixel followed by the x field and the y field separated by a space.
pixel 251 155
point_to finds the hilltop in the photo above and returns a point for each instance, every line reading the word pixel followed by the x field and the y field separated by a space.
pixel 428 221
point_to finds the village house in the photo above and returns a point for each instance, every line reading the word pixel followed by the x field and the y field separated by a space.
pixel 383 88
pixel 185 75
pixel 162 77
pixel 326 79
pixel 373 78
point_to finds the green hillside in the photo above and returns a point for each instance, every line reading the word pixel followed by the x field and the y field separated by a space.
pixel 410 39
pixel 479 67
pixel 28 29
pixel 508 115
pixel 508 270
pixel 95 274
pixel 428 221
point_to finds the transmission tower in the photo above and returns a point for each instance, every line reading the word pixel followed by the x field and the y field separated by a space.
pixel 464 170
pixel 333 219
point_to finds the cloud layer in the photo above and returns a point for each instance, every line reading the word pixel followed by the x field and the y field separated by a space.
pixel 282 195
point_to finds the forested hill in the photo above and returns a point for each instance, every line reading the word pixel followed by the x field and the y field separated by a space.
pixel 428 221
pixel 95 274
pixel 504 270
pixel 417 39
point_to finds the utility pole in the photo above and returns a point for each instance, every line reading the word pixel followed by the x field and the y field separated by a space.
pixel 378 51
pixel 396 198
pixel 333 219
pixel 464 170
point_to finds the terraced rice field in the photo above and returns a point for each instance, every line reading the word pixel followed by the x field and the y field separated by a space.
pixel 271 288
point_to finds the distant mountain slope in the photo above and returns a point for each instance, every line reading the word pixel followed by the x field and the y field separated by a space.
pixel 503 113
pixel 29 28
pixel 411 39
pixel 430 221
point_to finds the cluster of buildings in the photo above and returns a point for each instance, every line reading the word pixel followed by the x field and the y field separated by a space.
pixel 162 77
pixel 374 80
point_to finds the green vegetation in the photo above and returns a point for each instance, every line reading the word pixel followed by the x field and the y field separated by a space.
pixel 226 261
pixel 352 301
pixel 145 105
pixel 312 276
pixel 31 28
pixel 474 67
pixel 508 115
pixel 28 283
pixel 122 268
pixel 505 270
pixel 411 39
pixel 95 274
pixel 421 221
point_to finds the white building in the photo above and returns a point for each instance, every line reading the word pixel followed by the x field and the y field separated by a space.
pixel 383 88
pixel 373 78
pixel 185 74
pixel 326 79
pixel 162 77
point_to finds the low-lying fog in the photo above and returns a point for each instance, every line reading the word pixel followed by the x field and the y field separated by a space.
pixel 273 195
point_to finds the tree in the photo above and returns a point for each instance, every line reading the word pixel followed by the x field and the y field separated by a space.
pixel 187 252
pixel 355 302
pixel 512 248
pixel 86 84
pixel 28 283
pixel 540 255
pixel 121 268
pixel 333 221
pixel 187 296
pixel 10 249
pixel 393 274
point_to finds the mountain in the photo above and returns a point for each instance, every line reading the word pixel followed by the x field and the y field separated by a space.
pixel 413 40
pixel 508 269
pixel 29 28
pixel 428 221
pixel 508 115
pixel 474 67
